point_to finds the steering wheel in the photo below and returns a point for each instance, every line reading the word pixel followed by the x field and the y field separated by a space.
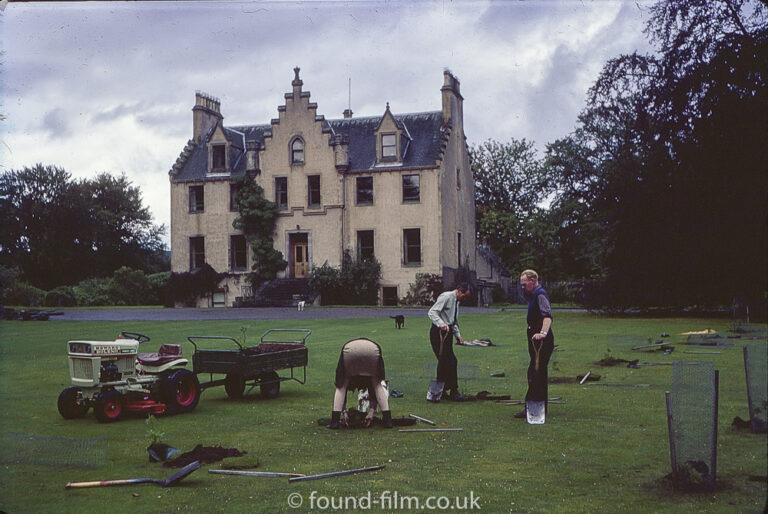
pixel 141 338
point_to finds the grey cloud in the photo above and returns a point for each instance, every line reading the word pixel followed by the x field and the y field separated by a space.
pixel 55 124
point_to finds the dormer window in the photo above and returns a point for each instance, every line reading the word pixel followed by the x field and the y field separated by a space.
pixel 388 146
pixel 218 157
pixel 297 151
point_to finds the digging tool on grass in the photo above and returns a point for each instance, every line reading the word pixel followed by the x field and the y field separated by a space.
pixel 335 474
pixel 171 480
pixel 423 420
pixel 253 473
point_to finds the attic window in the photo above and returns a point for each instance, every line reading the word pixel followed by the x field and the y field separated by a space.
pixel 389 146
pixel 297 151
pixel 218 158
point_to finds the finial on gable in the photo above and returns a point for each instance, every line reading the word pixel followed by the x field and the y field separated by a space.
pixel 296 80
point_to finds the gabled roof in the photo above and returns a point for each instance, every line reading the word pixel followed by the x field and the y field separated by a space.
pixel 424 130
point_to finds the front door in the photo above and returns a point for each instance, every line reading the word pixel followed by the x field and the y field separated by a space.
pixel 300 265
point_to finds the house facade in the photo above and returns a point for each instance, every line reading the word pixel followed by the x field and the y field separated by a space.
pixel 397 187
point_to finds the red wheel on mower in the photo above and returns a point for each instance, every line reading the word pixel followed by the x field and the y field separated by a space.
pixel 69 406
pixel 181 391
pixel 109 407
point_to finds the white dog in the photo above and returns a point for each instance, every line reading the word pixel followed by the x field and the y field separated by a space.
pixel 300 305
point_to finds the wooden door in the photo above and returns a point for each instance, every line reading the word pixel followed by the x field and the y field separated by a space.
pixel 300 264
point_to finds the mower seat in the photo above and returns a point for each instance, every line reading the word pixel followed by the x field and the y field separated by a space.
pixel 166 353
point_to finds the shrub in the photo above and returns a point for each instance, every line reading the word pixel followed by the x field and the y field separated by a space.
pixel 128 287
pixel 158 287
pixel 62 296
pixel 355 283
pixel 186 287
pixel 425 291
pixel 93 291
pixel 21 293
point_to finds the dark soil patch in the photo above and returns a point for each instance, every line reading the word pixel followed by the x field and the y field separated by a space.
pixel 357 420
pixel 205 454
pixel 611 361
pixel 562 380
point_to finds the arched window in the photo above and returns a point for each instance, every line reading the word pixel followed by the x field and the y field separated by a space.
pixel 297 151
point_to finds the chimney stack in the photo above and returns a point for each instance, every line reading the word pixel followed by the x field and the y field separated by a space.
pixel 347 113
pixel 252 155
pixel 205 114
pixel 452 99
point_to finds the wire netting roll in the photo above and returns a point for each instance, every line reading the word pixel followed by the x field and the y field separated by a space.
pixel 692 411
pixel 756 369
pixel 54 450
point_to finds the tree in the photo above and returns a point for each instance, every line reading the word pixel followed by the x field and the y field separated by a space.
pixel 257 219
pixel 676 143
pixel 509 186
pixel 59 231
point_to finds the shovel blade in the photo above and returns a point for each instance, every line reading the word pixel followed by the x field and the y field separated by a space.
pixel 535 412
pixel 180 474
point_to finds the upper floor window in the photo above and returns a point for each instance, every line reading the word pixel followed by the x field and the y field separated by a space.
pixel 196 252
pixel 388 146
pixel 458 178
pixel 196 199
pixel 233 190
pixel 364 190
pixel 238 255
pixel 411 188
pixel 412 246
pixel 218 157
pixel 458 248
pixel 281 192
pixel 297 151
pixel 313 191
pixel 364 245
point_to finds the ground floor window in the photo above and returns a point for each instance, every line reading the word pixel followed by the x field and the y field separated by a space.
pixel 238 255
pixel 365 245
pixel 389 296
pixel 196 252
pixel 412 246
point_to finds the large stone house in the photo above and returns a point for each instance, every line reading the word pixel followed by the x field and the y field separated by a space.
pixel 397 186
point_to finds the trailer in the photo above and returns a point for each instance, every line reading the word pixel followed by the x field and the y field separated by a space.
pixel 278 349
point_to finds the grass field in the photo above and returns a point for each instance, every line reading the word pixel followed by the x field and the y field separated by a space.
pixel 604 450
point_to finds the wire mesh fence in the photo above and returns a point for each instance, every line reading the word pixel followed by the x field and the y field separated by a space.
pixel 756 370
pixel 21 448
pixel 692 420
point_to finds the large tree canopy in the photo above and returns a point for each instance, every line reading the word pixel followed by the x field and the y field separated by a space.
pixel 59 231
pixel 674 158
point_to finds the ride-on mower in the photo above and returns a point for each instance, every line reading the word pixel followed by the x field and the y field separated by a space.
pixel 114 378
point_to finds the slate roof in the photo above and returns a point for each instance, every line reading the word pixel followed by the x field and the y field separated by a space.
pixel 421 145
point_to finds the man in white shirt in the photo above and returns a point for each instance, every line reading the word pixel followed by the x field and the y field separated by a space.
pixel 444 316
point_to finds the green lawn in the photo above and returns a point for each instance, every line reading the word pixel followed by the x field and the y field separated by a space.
pixel 606 449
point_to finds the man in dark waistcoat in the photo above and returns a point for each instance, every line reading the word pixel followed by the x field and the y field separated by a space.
pixel 541 339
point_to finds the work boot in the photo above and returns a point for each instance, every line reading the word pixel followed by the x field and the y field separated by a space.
pixel 335 415
pixel 386 418
pixel 520 414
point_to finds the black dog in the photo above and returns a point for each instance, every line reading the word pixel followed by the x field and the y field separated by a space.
pixel 399 320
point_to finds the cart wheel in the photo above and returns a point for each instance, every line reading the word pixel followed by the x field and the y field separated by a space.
pixel 109 407
pixel 69 407
pixel 270 390
pixel 234 386
pixel 181 391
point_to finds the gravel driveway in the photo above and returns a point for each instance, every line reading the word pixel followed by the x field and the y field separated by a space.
pixel 262 313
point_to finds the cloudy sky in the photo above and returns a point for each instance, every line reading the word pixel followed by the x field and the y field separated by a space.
pixel 109 86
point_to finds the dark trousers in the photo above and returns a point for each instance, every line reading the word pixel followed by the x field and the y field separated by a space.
pixel 538 379
pixel 446 363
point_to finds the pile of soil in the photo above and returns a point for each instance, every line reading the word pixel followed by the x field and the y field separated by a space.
pixel 611 361
pixel 205 454
pixel 270 348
